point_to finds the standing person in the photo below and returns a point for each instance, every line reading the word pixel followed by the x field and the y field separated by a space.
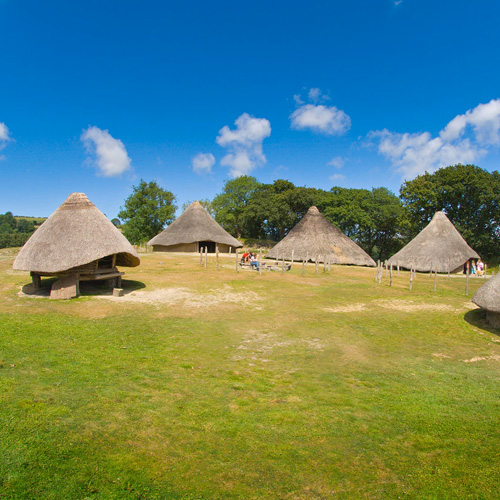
pixel 480 267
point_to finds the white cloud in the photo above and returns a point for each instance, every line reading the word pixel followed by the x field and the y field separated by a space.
pixel 203 162
pixel 244 144
pixel 4 137
pixel 337 162
pixel 320 118
pixel 111 157
pixel 465 139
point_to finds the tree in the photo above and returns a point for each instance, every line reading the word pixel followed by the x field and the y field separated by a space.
pixel 470 197
pixel 206 204
pixel 116 222
pixel 229 206
pixel 373 219
pixel 146 211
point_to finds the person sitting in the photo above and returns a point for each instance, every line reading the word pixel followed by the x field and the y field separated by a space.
pixel 245 258
pixel 254 262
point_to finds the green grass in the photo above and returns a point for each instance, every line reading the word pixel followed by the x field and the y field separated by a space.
pixel 282 387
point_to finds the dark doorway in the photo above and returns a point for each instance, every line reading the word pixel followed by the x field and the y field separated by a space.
pixel 209 244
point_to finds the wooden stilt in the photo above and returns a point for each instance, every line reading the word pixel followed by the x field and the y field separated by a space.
pixel 467 279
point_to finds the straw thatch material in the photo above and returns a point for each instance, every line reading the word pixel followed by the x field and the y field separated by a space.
pixel 315 237
pixel 195 225
pixel 488 298
pixel 77 233
pixel 438 247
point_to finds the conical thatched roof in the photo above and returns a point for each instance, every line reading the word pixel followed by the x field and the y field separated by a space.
pixel 76 234
pixel 315 237
pixel 438 247
pixel 195 224
pixel 488 296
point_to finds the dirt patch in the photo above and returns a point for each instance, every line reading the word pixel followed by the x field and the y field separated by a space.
pixel 346 308
pixel 411 306
pixel 187 298
pixel 495 357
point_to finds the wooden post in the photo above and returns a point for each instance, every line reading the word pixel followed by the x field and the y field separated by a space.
pixel 317 258
pixel 206 257
pixel 467 279
pixel 324 264
pixel 390 274
pixel 398 271
pixel 201 257
pixel 411 278
pixel 37 282
pixel 230 248
pixel 283 266
pixel 386 270
pixel 435 279
pixel 260 261
pixel 303 267
pixel 217 256
pixel 236 260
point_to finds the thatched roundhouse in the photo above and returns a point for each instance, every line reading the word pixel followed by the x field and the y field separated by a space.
pixel 438 247
pixel 315 238
pixel 77 242
pixel 488 298
pixel 193 230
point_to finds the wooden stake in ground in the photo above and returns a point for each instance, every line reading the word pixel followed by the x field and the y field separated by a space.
pixel 411 278
pixel 201 257
pixel 386 270
pixel 398 271
pixel 230 248
pixel 206 257
pixel 317 263
pixel 217 257
pixel 236 260
pixel 324 264
pixel 390 274
pixel 467 279
pixel 283 266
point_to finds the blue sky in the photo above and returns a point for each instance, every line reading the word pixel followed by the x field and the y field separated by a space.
pixel 96 95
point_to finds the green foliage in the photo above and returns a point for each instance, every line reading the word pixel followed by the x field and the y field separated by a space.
pixel 14 231
pixel 470 197
pixel 229 206
pixel 371 218
pixel 206 204
pixel 116 222
pixel 146 212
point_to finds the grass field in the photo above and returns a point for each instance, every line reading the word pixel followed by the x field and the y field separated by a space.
pixel 206 384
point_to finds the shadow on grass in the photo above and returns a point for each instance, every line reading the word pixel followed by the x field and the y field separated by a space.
pixel 477 318
pixel 87 288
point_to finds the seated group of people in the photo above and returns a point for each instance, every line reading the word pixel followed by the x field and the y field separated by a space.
pixel 249 257
pixel 477 267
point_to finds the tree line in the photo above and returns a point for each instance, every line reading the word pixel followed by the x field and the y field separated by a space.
pixel 15 231
pixel 378 220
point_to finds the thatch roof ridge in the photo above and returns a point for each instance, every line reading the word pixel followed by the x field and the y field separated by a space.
pixel 488 296
pixel 77 233
pixel 439 246
pixel 314 236
pixel 194 224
